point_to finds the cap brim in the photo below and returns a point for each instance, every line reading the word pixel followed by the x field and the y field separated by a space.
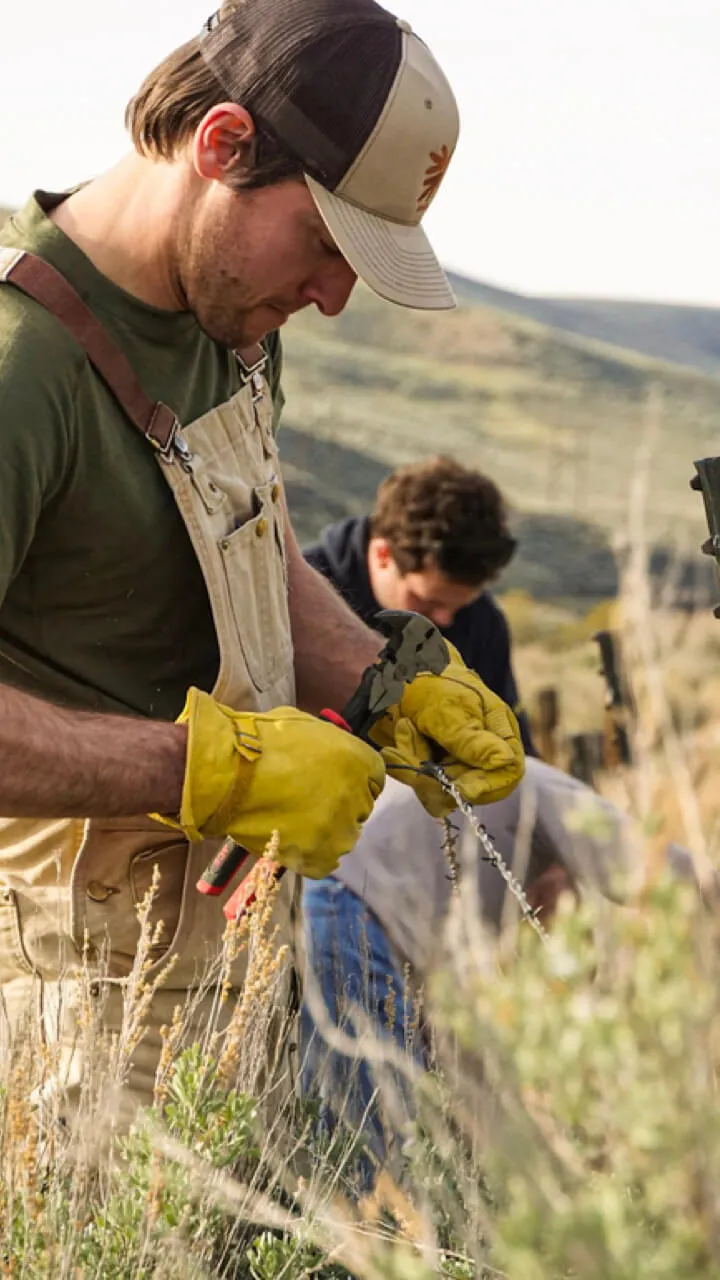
pixel 396 261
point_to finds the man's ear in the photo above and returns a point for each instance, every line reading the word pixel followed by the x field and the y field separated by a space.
pixel 223 142
pixel 383 553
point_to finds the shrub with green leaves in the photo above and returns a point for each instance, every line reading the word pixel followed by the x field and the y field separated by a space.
pixel 587 1082
pixel 569 1128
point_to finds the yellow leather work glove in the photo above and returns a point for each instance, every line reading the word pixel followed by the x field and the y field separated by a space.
pixel 248 774
pixel 454 720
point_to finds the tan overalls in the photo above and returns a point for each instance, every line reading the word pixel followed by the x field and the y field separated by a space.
pixel 69 887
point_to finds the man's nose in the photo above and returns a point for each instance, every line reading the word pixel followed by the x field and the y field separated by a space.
pixel 330 288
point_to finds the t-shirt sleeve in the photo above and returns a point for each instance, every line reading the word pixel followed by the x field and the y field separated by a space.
pixel 36 413
pixel 273 346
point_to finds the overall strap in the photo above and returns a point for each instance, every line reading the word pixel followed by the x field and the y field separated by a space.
pixel 45 284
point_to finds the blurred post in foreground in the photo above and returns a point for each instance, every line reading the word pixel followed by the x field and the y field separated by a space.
pixel 617 748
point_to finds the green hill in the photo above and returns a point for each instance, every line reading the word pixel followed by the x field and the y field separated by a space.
pixel 558 420
pixel 556 417
pixel 688 335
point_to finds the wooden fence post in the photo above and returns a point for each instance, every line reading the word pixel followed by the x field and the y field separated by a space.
pixel 548 721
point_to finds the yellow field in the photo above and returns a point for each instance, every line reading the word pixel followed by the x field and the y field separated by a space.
pixel 673 662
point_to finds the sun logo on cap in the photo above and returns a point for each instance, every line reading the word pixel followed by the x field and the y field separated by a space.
pixel 434 174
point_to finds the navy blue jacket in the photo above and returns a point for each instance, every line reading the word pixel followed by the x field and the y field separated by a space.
pixel 479 631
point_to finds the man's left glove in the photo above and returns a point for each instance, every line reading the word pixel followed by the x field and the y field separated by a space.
pixel 250 773
pixel 454 720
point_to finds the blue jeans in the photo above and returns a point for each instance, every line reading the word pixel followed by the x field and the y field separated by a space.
pixel 352 961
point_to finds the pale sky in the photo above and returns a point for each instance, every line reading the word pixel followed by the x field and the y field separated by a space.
pixel 589 159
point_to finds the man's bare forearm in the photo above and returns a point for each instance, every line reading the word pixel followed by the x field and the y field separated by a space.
pixel 56 763
pixel 332 646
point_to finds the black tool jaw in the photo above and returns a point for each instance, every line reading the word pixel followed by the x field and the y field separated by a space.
pixel 707 482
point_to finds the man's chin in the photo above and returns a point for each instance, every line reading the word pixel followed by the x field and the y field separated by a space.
pixel 252 327
pixel 258 324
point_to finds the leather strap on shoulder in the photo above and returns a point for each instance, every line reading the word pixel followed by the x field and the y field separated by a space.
pixel 41 281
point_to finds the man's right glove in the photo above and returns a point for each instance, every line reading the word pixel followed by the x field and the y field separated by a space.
pixel 248 774
pixel 455 720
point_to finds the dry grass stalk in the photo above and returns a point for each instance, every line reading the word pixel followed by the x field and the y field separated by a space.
pixel 138 989
pixel 244 1056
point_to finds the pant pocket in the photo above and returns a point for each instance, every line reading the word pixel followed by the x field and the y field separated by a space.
pixel 162 872
pixel 114 870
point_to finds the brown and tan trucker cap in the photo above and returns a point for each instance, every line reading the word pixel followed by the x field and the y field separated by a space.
pixel 360 101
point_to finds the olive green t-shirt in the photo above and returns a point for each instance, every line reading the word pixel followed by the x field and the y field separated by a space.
pixel 102 603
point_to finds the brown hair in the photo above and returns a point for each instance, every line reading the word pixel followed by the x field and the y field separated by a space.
pixel 442 514
pixel 169 105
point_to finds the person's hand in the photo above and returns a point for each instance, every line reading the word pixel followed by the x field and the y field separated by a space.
pixel 455 721
pixel 249 774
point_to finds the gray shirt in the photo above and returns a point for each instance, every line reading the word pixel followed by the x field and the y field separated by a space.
pixel 398 866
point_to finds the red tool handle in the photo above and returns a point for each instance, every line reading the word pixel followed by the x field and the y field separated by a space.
pixel 242 898
pixel 221 870
pixel 335 718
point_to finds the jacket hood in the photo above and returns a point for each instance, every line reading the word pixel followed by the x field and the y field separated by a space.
pixel 345 546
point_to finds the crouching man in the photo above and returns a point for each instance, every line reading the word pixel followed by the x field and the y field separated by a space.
pixel 374 929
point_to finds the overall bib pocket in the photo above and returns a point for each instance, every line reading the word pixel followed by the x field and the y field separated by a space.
pixel 255 573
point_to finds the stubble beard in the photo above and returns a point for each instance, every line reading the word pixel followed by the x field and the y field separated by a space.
pixel 216 302
pixel 216 297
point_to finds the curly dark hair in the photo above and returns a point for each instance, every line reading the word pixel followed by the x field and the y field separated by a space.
pixel 438 513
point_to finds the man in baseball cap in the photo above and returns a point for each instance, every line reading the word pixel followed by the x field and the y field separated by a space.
pixel 164 648
pixel 359 100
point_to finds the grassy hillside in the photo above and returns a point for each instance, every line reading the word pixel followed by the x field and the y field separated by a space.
pixel 556 418
pixel 683 334
pixel 559 421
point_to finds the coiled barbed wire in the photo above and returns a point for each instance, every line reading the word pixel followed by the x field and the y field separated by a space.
pixel 450 835
pixel 490 853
